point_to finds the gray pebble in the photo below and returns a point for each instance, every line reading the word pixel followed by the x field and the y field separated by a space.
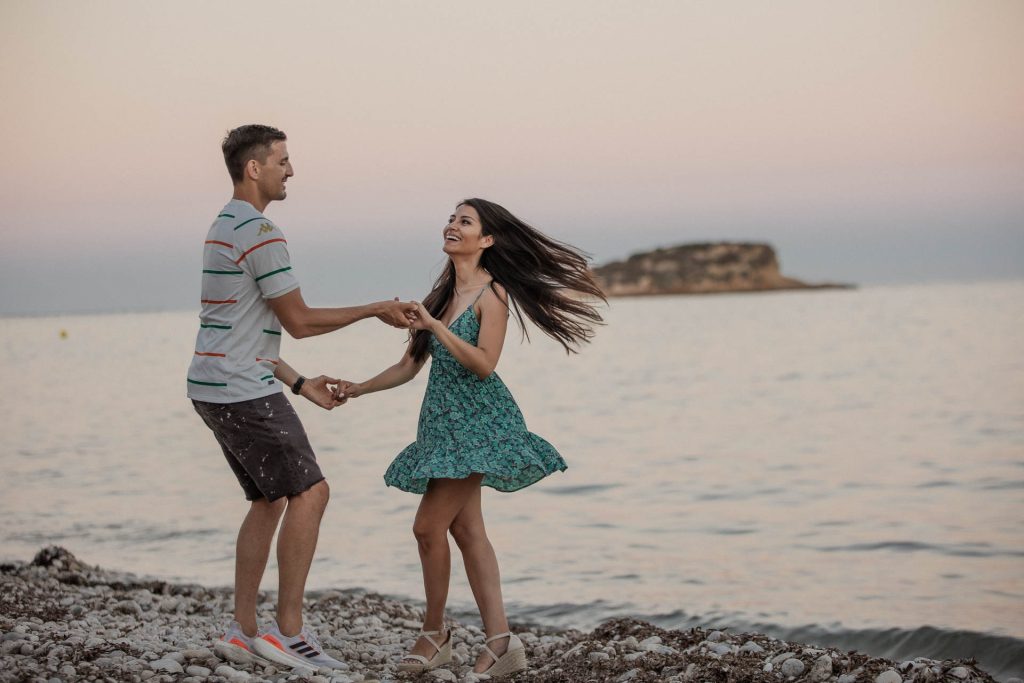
pixel 716 636
pixel 599 657
pixel 888 676
pixel 168 665
pixel 196 670
pixel 751 646
pixel 959 672
pixel 792 667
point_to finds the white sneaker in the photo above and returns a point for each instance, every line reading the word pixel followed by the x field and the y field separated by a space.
pixel 303 650
pixel 235 646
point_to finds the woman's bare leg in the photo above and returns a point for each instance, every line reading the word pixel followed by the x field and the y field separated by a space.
pixel 438 508
pixel 483 574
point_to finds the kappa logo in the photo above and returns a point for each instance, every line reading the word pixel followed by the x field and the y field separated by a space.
pixel 265 228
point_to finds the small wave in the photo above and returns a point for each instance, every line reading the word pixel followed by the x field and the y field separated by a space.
pixel 1003 485
pixel 960 550
pixel 578 490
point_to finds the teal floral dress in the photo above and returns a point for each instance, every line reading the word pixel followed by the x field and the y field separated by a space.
pixel 470 425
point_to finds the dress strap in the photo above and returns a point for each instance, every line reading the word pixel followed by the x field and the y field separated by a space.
pixel 482 290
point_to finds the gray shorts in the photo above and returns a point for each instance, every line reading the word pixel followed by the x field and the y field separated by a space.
pixel 264 444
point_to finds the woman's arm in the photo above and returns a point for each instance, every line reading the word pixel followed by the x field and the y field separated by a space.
pixel 398 374
pixel 482 358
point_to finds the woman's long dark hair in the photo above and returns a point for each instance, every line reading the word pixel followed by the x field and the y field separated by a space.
pixel 544 279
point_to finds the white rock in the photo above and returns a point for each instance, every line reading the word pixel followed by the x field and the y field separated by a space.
pixel 599 656
pixel 716 636
pixel 653 640
pixel 751 646
pixel 888 676
pixel 633 656
pixel 792 667
pixel 720 648
pixel 167 665
pixel 780 658
pixel 196 670
pixel 444 675
pixel 822 669
pixel 629 675
pixel 959 672
pixel 847 678
pixel 175 656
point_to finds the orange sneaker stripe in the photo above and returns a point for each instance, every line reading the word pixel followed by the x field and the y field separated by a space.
pixel 239 643
pixel 273 641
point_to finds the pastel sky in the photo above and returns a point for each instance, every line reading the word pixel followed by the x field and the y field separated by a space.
pixel 872 142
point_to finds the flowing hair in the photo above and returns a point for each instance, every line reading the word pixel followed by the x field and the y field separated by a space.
pixel 544 279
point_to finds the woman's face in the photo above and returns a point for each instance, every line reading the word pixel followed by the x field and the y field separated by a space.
pixel 464 232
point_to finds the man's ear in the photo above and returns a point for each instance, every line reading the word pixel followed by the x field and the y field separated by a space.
pixel 252 169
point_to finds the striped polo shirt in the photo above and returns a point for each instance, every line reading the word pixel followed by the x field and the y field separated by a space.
pixel 245 262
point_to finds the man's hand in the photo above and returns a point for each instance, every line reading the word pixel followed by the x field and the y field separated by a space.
pixel 397 313
pixel 322 391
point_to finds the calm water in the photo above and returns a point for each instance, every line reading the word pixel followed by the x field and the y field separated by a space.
pixel 845 467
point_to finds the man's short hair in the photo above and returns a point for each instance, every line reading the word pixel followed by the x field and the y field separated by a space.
pixel 248 142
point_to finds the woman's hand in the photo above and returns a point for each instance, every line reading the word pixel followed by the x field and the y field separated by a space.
pixel 346 390
pixel 423 321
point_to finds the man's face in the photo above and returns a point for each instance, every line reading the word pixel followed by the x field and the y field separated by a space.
pixel 275 172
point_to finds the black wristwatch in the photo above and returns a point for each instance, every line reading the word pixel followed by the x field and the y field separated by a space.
pixel 297 387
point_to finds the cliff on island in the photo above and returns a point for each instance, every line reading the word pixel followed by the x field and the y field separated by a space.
pixel 63 620
pixel 704 268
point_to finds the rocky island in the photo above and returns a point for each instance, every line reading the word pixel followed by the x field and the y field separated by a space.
pixel 704 268
pixel 62 620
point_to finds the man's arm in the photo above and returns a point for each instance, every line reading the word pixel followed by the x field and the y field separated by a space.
pixel 302 321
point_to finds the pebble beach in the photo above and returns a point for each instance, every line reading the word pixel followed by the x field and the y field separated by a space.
pixel 63 620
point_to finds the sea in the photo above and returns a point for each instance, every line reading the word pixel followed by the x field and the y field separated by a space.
pixel 838 467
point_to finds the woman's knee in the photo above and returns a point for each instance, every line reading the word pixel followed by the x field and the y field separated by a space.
pixel 468 534
pixel 428 534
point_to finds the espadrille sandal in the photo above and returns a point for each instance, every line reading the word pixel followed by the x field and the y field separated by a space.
pixel 442 656
pixel 513 661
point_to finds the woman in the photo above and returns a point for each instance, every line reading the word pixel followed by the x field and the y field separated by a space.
pixel 471 433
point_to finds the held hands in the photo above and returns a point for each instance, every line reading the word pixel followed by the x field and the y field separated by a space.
pixel 323 391
pixel 397 313
pixel 346 390
pixel 422 319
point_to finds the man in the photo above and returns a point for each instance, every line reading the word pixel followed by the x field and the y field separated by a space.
pixel 235 381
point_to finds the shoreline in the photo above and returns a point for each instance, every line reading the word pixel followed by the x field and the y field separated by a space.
pixel 63 620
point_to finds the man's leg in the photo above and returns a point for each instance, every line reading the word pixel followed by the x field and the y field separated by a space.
pixel 295 546
pixel 251 553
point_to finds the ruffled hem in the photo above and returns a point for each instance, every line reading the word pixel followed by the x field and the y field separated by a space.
pixel 534 459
